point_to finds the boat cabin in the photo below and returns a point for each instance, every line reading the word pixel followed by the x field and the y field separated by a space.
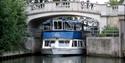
pixel 62 25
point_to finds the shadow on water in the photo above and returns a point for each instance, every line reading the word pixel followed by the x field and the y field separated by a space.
pixel 67 59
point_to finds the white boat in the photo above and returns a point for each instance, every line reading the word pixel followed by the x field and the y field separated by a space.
pixel 62 37
pixel 63 46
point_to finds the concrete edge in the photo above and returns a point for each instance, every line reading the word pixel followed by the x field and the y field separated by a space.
pixel 16 55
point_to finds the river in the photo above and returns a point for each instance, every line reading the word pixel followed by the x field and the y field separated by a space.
pixel 63 59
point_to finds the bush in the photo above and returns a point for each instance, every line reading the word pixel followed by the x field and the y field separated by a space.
pixel 109 31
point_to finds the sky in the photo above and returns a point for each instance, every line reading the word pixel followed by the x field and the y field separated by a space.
pixel 99 1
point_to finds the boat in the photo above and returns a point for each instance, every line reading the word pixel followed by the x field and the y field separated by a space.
pixel 60 36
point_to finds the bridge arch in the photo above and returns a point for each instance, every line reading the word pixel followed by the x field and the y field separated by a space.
pixel 96 16
pixel 33 16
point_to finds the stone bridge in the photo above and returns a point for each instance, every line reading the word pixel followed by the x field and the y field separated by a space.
pixel 98 12
pixel 104 14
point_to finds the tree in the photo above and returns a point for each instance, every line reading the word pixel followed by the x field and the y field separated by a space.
pixel 115 2
pixel 12 24
pixel 121 1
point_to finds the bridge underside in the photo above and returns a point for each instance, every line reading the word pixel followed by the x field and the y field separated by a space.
pixel 62 13
pixel 34 25
pixel 37 21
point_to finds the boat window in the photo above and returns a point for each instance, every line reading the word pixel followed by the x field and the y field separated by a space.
pixel 36 1
pixel 55 25
pixel 49 42
pixel 77 27
pixel 56 0
pixel 66 41
pixel 58 25
pixel 74 44
pixel 52 41
pixel 80 43
pixel 63 43
pixel 64 0
pixel 47 26
pixel 67 26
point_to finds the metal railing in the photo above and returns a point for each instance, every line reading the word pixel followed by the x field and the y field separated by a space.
pixel 107 33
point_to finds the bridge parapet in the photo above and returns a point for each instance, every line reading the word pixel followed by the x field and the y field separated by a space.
pixel 121 10
pixel 73 6
pixel 62 6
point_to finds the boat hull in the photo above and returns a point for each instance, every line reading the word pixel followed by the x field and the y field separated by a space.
pixel 62 51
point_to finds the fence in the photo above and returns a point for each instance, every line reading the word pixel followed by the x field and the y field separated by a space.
pixel 104 33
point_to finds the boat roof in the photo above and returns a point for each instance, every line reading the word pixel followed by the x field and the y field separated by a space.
pixel 70 21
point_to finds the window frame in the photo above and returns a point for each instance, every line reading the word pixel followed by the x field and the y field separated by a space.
pixel 49 43
pixel 55 27
pixel 79 43
pixel 64 43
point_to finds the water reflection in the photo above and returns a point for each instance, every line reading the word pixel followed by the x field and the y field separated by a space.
pixel 75 59
pixel 57 59
pixel 104 60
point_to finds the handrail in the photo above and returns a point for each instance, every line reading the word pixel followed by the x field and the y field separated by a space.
pixel 62 6
pixel 74 6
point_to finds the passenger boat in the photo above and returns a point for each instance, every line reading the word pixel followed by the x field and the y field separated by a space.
pixel 62 37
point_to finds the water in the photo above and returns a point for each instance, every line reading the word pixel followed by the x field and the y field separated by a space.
pixel 68 59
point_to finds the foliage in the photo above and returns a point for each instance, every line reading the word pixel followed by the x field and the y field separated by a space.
pixel 12 24
pixel 115 2
pixel 121 1
pixel 110 31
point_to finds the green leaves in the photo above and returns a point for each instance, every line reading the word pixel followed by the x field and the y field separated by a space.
pixel 110 31
pixel 12 24
pixel 115 2
pixel 121 1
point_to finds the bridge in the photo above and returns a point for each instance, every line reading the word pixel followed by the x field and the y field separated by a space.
pixel 98 12
pixel 104 14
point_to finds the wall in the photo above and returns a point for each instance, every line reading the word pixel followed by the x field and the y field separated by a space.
pixel 33 44
pixel 103 46
pixel 113 21
pixel 122 32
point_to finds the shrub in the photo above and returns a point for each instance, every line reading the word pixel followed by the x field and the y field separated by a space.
pixel 110 31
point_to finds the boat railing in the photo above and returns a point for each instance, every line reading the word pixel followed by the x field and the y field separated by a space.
pixel 59 25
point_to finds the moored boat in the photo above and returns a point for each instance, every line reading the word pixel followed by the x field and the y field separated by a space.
pixel 62 37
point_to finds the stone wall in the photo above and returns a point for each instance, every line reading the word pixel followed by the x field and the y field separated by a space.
pixel 103 46
pixel 33 44
pixel 113 21
pixel 122 32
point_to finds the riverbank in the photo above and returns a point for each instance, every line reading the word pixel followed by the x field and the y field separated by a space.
pixel 104 46
pixel 17 54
